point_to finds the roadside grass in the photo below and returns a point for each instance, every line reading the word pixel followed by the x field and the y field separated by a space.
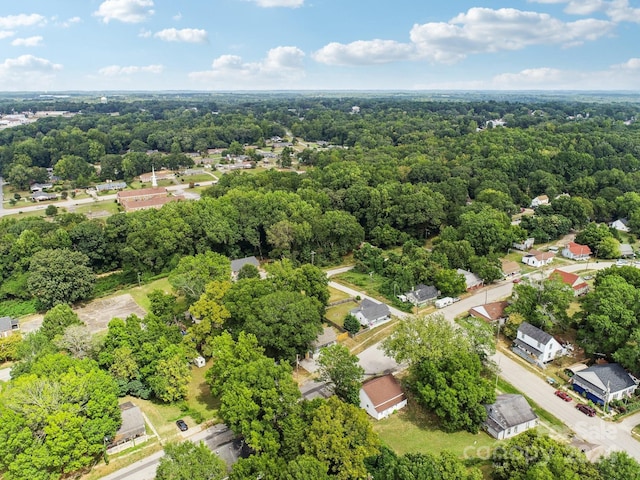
pixel 362 342
pixel 109 206
pixel 200 177
pixel 367 283
pixel 336 295
pixel 21 214
pixel 123 459
pixel 413 430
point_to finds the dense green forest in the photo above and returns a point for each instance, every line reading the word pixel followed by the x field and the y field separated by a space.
pixel 381 182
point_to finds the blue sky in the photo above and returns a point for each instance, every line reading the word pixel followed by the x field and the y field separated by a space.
pixel 102 45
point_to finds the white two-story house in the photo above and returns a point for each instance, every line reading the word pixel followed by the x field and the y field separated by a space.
pixel 537 345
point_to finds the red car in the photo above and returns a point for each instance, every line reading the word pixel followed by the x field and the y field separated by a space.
pixel 517 280
pixel 586 409
pixel 563 395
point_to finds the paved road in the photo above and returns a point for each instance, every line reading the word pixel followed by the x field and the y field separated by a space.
pixel 83 201
pixel 218 438
pixel 593 430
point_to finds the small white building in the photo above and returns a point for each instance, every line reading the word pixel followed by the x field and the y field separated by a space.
pixel 539 200
pixel 382 396
pixel 537 259
pixel 525 244
pixel 371 313
pixel 536 345
pixel 199 361
pixel 620 224
pixel 575 251
pixel 509 416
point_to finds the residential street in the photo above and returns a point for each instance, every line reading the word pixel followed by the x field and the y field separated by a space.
pixel 218 438
pixel 593 430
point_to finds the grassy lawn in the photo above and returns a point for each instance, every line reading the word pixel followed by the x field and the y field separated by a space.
pixel 336 314
pixel 337 295
pixel 88 209
pixel 140 294
pixel 199 397
pixel 412 430
pixel 368 283
pixel 201 177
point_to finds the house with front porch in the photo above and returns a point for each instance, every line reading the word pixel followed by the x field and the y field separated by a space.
pixel 536 345
pixel 604 383
pixel 510 415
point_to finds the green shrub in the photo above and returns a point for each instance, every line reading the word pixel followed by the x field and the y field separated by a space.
pixel 351 324
pixel 18 308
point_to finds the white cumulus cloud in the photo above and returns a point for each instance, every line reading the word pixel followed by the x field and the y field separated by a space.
pixel 6 34
pixel 188 35
pixel 281 66
pixel 127 11
pixel 278 3
pixel 364 52
pixel 117 70
pixel 69 22
pixel 27 72
pixel 27 42
pixel 23 20
pixel 616 10
pixel 479 30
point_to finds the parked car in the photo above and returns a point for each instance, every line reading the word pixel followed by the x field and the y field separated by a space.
pixel 182 425
pixel 586 409
pixel 563 395
pixel 517 280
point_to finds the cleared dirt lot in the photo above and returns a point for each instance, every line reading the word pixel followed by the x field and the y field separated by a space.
pixel 96 315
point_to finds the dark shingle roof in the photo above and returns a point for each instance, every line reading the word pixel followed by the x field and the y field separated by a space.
pixel 371 310
pixel 610 377
pixel 236 265
pixel 535 333
pixel 422 293
pixel 509 411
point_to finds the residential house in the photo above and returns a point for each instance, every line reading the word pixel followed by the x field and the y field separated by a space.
pixel 575 251
pixel 621 224
pixel 490 312
pixel 626 251
pixel 132 424
pixel 525 244
pixel 236 265
pixel 421 295
pixel 603 383
pixel 382 396
pixel 471 280
pixel 539 200
pixel 105 187
pixel 576 282
pixel 537 259
pixel 39 187
pixel 370 313
pixel 8 326
pixel 40 196
pixel 509 416
pixel 510 268
pixel 535 345
pixel 327 338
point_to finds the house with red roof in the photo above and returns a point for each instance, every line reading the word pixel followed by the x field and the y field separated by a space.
pixel 575 251
pixel 576 282
pixel 382 396
pixel 490 312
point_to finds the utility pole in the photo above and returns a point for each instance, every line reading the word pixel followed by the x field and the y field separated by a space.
pixel 313 254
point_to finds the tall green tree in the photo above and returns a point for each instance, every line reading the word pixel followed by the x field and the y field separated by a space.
pixel 53 421
pixel 60 276
pixel 339 367
pixel 57 319
pixel 188 461
pixel 193 273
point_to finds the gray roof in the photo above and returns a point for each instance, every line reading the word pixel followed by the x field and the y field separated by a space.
pixel 423 293
pixel 236 265
pixel 132 422
pixel 470 278
pixel 327 337
pixel 46 195
pixel 509 411
pixel 626 250
pixel 610 376
pixel 371 310
pixel 7 324
pixel 111 186
pixel 535 333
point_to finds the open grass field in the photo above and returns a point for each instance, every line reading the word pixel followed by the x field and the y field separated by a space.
pixel 140 293
pixel 412 430
pixel 337 313
pixel 97 209
pixel 337 295
pixel 199 397
pixel 368 283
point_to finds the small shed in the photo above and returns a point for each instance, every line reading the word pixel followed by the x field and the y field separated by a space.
pixel 199 361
